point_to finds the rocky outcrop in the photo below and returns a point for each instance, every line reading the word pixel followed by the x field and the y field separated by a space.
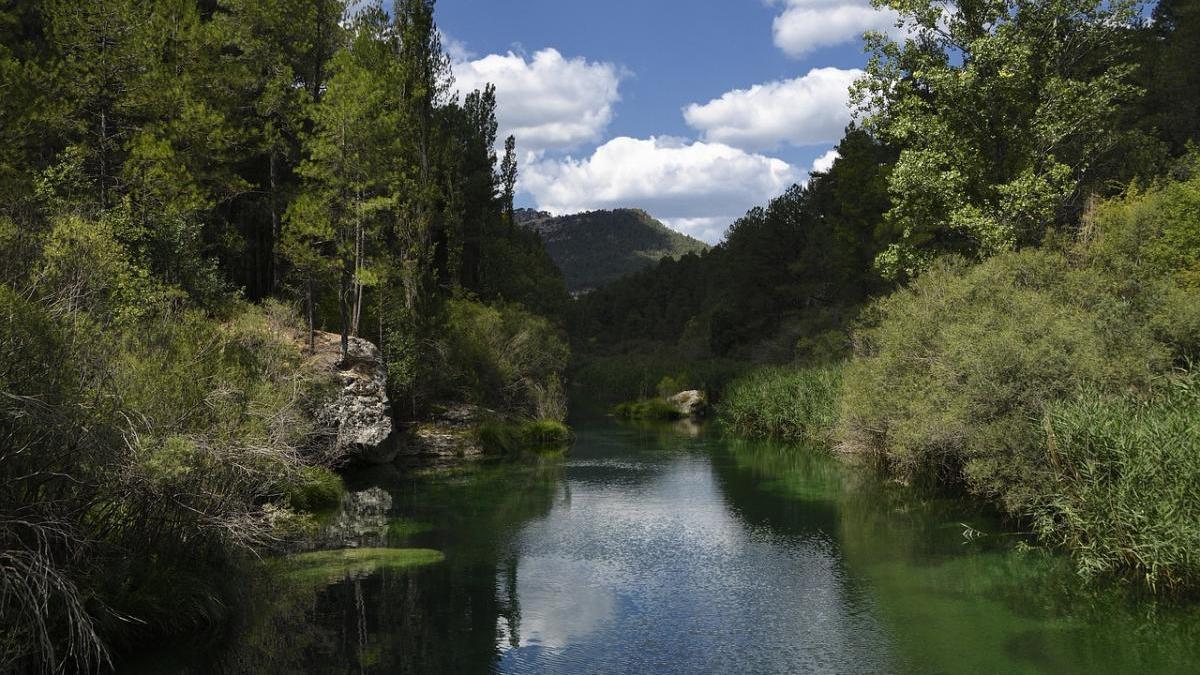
pixel 691 404
pixel 359 416
pixel 448 437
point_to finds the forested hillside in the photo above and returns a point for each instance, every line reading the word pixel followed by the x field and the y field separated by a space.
pixel 992 290
pixel 596 248
pixel 184 187
pixel 996 153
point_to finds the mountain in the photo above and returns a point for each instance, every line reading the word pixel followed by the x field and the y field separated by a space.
pixel 595 248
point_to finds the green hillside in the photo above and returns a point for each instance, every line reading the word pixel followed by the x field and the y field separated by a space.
pixel 598 247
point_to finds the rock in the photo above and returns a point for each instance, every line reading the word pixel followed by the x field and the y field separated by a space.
pixel 359 416
pixel 691 403
pixel 448 437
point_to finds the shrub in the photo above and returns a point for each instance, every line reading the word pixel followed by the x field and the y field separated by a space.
pixel 1126 472
pixel 314 489
pixel 504 357
pixel 786 402
pixel 953 372
pixel 143 447
pixel 501 437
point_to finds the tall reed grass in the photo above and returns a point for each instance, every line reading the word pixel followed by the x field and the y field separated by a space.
pixel 784 402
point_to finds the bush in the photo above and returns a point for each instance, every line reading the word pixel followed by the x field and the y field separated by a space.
pixel 1126 472
pixel 792 403
pixel 144 447
pixel 954 371
pixel 315 489
pixel 500 437
pixel 1033 378
pixel 647 409
pixel 504 357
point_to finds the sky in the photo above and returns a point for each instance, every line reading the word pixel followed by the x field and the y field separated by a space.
pixel 694 110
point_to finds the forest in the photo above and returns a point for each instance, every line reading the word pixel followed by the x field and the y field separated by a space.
pixel 186 186
pixel 993 292
pixel 994 288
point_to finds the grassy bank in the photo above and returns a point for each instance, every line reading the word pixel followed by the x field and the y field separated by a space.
pixel 507 437
pixel 148 447
pixel 785 402
pixel 1054 381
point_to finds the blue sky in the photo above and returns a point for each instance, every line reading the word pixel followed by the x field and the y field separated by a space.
pixel 596 93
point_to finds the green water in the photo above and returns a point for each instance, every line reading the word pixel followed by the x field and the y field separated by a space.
pixel 663 550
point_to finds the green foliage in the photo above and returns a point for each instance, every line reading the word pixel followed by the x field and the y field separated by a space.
pixel 954 376
pixel 505 437
pixel 628 376
pixel 314 489
pixel 1002 112
pixel 953 370
pixel 1125 469
pixel 505 357
pixel 144 445
pixel 324 567
pixel 784 402
pixel 647 409
pixel 1151 233
pixel 799 267
pixel 596 248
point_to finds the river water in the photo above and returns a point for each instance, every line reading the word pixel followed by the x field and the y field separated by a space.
pixel 670 549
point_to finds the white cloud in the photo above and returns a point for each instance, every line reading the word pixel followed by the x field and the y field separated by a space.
pixel 696 187
pixel 808 25
pixel 824 162
pixel 456 49
pixel 548 102
pixel 806 110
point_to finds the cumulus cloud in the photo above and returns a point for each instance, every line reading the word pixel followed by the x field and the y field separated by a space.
pixel 808 25
pixel 824 162
pixel 548 102
pixel 696 187
pixel 806 110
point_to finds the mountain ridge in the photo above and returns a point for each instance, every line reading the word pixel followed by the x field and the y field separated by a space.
pixel 595 248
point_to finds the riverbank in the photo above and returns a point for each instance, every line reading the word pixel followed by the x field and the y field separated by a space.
pixel 647 549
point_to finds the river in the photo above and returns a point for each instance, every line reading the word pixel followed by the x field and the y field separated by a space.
pixel 670 549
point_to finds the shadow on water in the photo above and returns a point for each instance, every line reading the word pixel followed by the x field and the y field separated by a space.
pixel 670 549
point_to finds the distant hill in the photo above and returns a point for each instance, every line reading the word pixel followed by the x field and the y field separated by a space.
pixel 595 248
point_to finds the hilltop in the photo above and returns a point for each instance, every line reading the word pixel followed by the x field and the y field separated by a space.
pixel 598 247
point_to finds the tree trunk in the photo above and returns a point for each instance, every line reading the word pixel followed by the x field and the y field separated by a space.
pixel 275 225
pixel 312 332
pixel 344 309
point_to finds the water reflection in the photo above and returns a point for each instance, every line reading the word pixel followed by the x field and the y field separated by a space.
pixel 654 549
pixel 953 603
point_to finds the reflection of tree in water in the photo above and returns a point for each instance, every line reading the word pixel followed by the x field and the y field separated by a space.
pixel 955 603
pixel 443 618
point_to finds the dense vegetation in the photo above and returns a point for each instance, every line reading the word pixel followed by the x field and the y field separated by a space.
pixel 596 248
pixel 994 288
pixel 176 178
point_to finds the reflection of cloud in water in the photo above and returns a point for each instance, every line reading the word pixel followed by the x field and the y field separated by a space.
pixel 561 602
pixel 657 574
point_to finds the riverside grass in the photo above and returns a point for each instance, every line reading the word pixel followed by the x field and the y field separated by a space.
pixel 501 437
pixel 1126 488
pixel 794 403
